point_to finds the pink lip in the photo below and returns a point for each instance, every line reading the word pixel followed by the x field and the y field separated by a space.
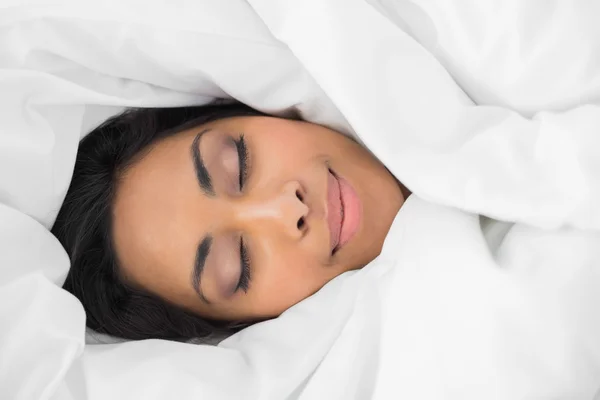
pixel 343 211
pixel 334 211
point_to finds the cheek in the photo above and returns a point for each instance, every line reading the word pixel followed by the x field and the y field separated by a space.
pixel 287 149
pixel 286 279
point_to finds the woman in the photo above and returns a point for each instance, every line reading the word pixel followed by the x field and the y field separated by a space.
pixel 188 222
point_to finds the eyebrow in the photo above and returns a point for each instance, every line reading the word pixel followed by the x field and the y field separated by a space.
pixel 199 263
pixel 205 183
pixel 202 174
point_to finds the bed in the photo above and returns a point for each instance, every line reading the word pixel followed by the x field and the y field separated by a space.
pixel 488 283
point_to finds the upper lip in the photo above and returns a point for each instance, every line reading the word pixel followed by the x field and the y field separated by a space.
pixel 334 217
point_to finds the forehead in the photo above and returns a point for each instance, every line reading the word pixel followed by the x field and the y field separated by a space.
pixel 154 234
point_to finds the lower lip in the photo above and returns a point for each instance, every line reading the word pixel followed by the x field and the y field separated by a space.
pixel 352 212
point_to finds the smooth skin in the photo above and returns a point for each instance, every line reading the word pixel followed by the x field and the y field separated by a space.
pixel 276 219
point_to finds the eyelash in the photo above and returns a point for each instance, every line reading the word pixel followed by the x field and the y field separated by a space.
pixel 242 151
pixel 244 281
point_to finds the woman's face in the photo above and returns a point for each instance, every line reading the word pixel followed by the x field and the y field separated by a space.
pixel 241 218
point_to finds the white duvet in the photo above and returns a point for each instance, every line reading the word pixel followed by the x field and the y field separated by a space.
pixel 481 107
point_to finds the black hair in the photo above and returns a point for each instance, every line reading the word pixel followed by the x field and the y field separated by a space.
pixel 83 225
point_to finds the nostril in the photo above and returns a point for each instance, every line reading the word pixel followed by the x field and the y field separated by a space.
pixel 300 223
pixel 299 195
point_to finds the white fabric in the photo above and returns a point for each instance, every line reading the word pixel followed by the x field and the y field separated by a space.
pixel 438 315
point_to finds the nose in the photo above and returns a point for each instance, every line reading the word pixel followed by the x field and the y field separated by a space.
pixel 284 208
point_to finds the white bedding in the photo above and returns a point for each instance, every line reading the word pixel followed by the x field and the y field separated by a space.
pixel 479 106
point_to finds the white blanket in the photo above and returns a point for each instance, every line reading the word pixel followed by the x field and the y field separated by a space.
pixel 479 106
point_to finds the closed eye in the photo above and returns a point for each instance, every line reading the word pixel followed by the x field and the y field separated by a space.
pixel 242 150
